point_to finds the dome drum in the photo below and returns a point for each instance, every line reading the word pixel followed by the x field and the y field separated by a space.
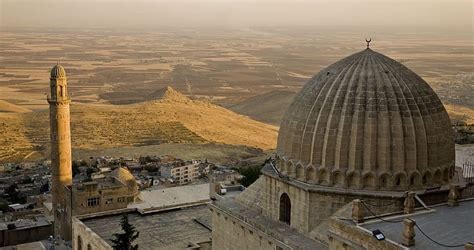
pixel 382 181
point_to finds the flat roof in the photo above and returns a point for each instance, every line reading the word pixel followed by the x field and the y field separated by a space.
pixel 171 230
pixel 445 224
pixel 170 197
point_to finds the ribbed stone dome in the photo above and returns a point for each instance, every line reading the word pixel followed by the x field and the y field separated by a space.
pixel 58 71
pixel 367 122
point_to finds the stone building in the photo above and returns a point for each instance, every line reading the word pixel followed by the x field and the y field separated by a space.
pixel 363 128
pixel 61 163
pixel 183 174
pixel 170 218
pixel 25 230
pixel 113 192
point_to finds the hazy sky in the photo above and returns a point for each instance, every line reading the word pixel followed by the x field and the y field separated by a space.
pixel 442 14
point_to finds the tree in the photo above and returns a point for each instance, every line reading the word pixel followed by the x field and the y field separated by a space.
pixel 123 241
pixel 14 195
pixel 250 173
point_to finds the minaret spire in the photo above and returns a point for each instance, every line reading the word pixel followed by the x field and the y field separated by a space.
pixel 61 162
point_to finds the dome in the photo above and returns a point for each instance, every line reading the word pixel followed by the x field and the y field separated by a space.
pixel 123 175
pixel 367 122
pixel 58 71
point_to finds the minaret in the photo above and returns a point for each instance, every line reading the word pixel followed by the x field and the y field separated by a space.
pixel 60 129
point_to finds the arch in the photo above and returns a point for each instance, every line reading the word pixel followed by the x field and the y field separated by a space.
pixel 311 174
pixel 89 247
pixel 291 170
pixel 384 181
pixel 426 179
pixel 323 177
pixel 79 243
pixel 368 181
pixel 415 179
pixel 353 179
pixel 446 175
pixel 399 182
pixel 300 172
pixel 281 165
pixel 285 209
pixel 437 177
pixel 338 178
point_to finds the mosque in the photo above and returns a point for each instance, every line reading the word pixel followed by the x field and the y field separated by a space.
pixel 365 131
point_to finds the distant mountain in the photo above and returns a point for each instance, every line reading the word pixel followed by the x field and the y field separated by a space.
pixel 268 107
pixel 169 118
pixel 6 107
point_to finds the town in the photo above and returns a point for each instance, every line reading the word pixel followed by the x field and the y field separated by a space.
pixel 103 184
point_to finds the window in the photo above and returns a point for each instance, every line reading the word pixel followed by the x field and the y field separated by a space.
pixel 93 202
pixel 285 208
pixel 89 247
pixel 109 201
pixel 121 199
pixel 79 243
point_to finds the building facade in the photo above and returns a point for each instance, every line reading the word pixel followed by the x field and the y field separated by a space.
pixel 183 174
pixel 113 192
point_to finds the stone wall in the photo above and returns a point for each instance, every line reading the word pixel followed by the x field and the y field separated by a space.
pixel 300 203
pixel 310 209
pixel 83 237
pixel 230 233
pixel 25 235
pixel 343 236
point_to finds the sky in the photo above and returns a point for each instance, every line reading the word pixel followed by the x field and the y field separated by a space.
pixel 138 14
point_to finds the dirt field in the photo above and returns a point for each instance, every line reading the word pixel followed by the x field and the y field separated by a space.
pixel 245 70
pixel 226 66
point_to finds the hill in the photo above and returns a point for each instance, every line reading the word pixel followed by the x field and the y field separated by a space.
pixel 268 107
pixel 167 94
pixel 6 107
pixel 460 113
pixel 170 118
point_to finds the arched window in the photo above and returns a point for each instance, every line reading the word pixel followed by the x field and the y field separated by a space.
pixel 285 208
pixel 89 247
pixel 79 243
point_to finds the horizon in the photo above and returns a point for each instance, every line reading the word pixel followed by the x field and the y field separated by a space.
pixel 441 15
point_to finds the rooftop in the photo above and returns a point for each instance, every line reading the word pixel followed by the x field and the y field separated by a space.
pixel 38 221
pixel 171 230
pixel 445 224
pixel 158 199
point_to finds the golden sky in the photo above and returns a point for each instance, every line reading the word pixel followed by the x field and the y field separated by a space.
pixel 442 14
